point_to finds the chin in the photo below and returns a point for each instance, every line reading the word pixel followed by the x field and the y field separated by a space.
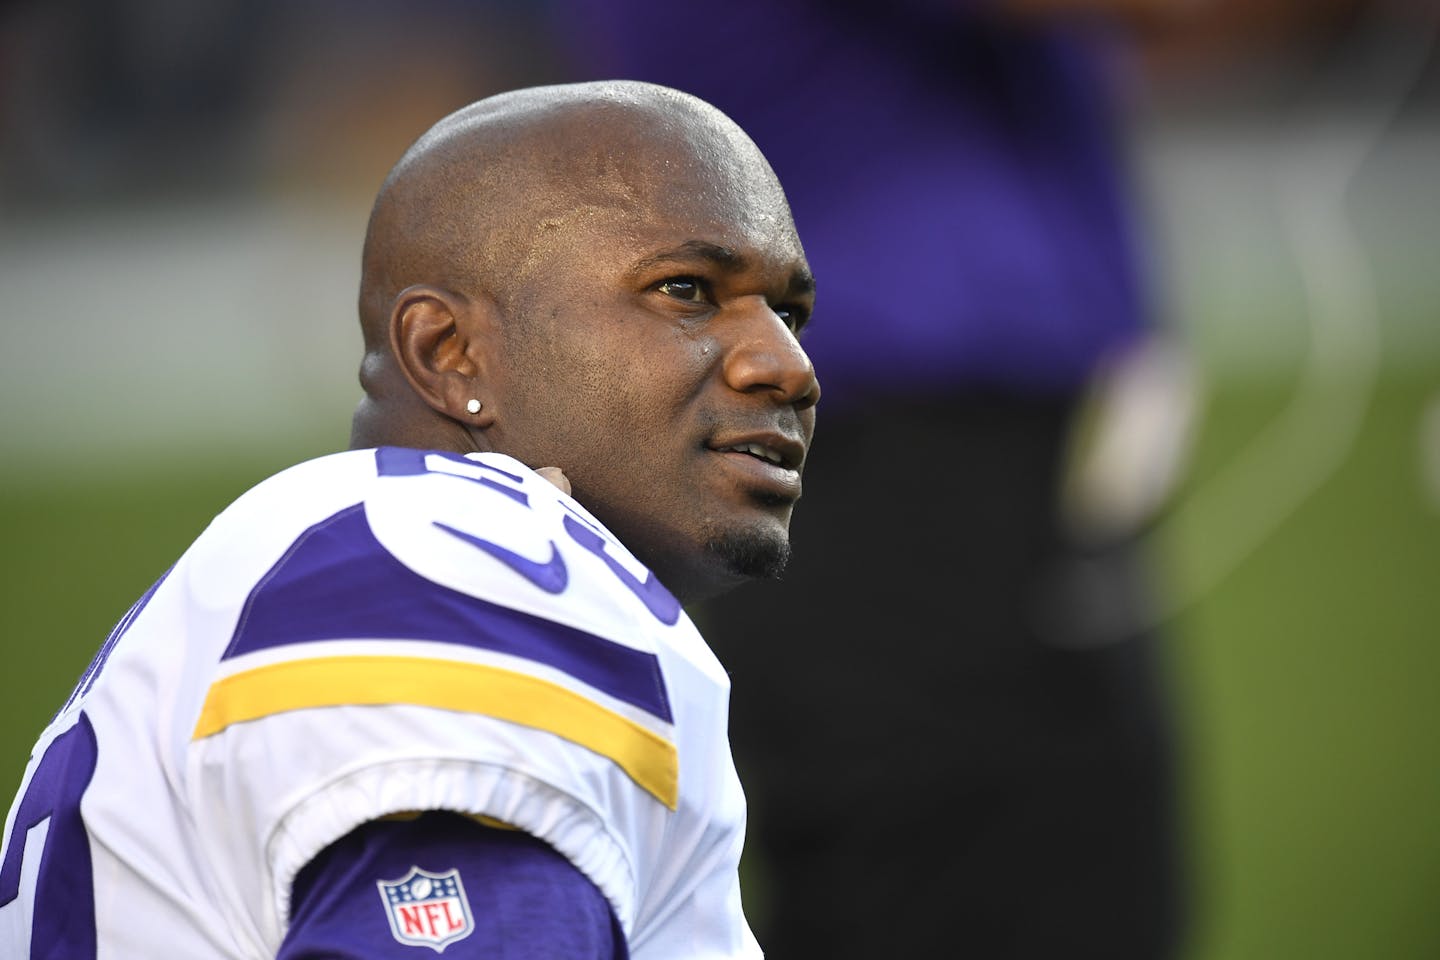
pixel 750 554
pixel 698 564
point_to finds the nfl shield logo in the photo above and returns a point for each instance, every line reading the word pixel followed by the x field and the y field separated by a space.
pixel 427 909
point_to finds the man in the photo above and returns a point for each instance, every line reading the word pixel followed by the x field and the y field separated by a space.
pixel 413 696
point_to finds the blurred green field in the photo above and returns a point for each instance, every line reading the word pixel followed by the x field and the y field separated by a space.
pixel 1307 679
pixel 79 549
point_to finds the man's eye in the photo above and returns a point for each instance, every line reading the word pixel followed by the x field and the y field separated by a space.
pixel 792 317
pixel 683 288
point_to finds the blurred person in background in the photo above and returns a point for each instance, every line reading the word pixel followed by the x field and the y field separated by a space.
pixel 952 720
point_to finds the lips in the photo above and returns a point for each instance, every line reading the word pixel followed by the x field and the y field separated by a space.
pixel 773 448
pixel 768 464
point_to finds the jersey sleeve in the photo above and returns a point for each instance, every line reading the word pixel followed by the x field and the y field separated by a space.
pixel 460 638
pixel 446 882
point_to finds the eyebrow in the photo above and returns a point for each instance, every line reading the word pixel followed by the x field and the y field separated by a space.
pixel 802 281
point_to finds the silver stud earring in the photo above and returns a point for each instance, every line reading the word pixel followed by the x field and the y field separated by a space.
pixel 473 405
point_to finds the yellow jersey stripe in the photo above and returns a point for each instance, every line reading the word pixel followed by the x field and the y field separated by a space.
pixel 649 759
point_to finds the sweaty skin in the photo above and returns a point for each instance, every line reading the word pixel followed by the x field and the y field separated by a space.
pixel 612 270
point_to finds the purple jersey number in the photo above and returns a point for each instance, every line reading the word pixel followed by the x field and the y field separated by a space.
pixel 63 924
pixel 64 895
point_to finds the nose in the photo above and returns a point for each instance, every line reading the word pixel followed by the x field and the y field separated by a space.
pixel 763 355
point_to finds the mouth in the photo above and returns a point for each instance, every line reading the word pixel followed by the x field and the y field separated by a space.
pixel 768 464
pixel 759 450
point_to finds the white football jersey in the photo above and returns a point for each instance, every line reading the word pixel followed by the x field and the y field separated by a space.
pixel 369 633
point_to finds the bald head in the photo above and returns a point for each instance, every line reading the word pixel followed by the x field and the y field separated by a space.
pixel 469 201
pixel 486 192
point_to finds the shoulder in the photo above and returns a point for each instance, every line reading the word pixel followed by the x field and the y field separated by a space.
pixel 462 584
pixel 431 631
pixel 484 526
pixel 429 555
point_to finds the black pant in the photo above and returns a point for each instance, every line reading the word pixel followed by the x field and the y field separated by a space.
pixel 946 755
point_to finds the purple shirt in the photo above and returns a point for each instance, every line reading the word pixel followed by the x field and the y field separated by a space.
pixel 955 180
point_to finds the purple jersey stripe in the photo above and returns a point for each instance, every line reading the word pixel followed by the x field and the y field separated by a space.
pixel 338 583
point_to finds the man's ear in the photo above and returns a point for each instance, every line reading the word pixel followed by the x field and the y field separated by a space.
pixel 443 342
